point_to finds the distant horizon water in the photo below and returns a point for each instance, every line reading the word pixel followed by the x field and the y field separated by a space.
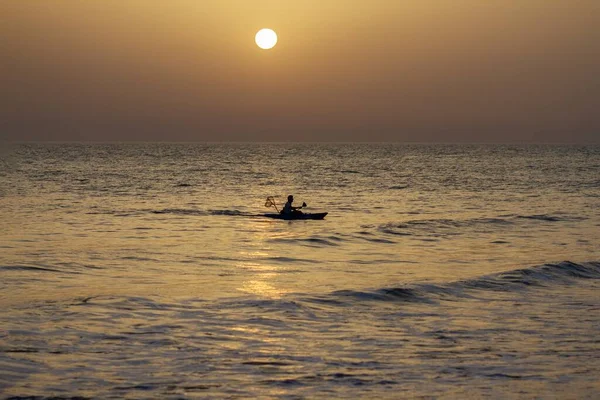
pixel 524 142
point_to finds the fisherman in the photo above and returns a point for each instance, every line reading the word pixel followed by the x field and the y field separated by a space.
pixel 289 209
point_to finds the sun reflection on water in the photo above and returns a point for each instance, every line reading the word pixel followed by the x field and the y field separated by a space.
pixel 263 286
pixel 262 277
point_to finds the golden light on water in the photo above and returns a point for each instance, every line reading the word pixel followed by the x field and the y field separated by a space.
pixel 266 39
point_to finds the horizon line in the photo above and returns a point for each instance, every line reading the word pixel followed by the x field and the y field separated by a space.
pixel 523 142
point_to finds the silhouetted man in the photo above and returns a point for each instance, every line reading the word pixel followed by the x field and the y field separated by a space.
pixel 289 209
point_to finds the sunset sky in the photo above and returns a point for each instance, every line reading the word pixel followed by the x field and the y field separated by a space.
pixel 343 70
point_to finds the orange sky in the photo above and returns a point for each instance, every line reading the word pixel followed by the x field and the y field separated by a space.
pixel 343 70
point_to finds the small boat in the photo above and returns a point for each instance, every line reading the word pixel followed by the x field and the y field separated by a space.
pixel 294 216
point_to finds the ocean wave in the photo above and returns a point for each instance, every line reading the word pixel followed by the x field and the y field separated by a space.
pixel 453 226
pixel 119 213
pixel 392 294
pixel 228 212
pixel 290 260
pixel 200 213
pixel 550 218
pixel 446 223
pixel 181 211
pixel 546 275
pixel 313 241
pixel 26 268
pixel 122 302
pixel 173 211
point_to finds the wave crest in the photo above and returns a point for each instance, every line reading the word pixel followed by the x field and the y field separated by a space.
pixel 566 272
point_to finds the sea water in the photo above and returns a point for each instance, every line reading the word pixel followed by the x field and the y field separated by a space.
pixel 441 271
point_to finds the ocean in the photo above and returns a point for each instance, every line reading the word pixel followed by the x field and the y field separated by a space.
pixel 148 270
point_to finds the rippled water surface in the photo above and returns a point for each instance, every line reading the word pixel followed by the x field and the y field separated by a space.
pixel 149 271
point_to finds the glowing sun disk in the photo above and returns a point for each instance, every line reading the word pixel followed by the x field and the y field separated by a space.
pixel 266 39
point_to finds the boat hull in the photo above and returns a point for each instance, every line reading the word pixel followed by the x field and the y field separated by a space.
pixel 292 217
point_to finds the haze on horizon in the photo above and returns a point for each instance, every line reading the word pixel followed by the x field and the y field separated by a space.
pixel 376 70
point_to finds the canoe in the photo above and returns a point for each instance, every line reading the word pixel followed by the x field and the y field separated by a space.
pixel 290 217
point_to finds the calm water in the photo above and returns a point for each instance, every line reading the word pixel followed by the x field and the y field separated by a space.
pixel 147 271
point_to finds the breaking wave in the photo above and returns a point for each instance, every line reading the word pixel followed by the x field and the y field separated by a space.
pixel 545 275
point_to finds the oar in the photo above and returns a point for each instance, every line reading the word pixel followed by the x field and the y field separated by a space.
pixel 302 206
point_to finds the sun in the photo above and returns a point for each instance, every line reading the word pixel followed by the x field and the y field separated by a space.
pixel 266 39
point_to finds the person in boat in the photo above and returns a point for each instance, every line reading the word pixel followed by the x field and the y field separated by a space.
pixel 289 209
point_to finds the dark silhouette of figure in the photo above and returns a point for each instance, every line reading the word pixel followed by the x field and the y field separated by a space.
pixel 289 209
